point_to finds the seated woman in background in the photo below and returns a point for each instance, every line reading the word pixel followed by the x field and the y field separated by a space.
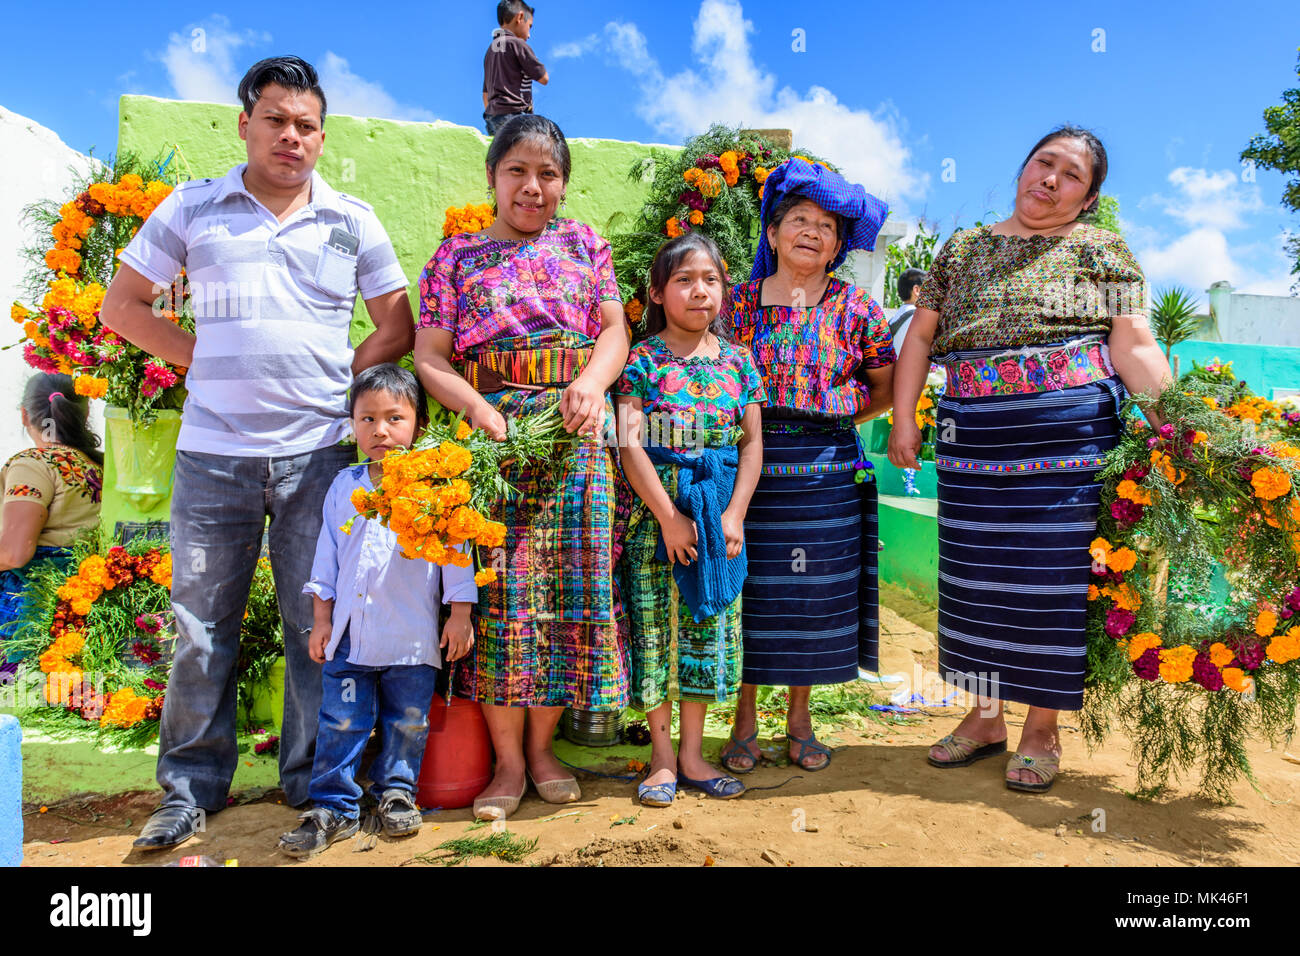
pixel 51 492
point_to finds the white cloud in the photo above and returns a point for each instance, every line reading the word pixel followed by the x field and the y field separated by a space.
pixel 1210 204
pixel 575 48
pixel 356 96
pixel 1214 198
pixel 727 85
pixel 206 61
pixel 200 61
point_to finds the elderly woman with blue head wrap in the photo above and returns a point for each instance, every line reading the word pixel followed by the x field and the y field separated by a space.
pixel 823 348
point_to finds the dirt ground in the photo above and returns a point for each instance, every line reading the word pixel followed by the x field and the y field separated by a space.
pixel 878 804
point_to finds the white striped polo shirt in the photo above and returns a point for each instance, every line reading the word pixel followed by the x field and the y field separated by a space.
pixel 272 304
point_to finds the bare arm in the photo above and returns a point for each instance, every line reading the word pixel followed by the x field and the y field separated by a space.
pixel 677 528
pixel 22 526
pixel 880 383
pixel 750 448
pixel 909 381
pixel 433 348
pixel 128 309
pixel 1138 359
pixel 394 334
pixel 583 402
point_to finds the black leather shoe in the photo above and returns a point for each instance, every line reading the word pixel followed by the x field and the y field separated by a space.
pixel 168 827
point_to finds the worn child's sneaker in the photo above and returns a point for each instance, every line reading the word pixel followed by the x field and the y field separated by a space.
pixel 398 813
pixel 320 827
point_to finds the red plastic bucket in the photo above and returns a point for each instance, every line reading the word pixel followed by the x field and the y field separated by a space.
pixel 458 756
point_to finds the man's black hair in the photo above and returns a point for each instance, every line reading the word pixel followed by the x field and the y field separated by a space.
pixel 292 72
pixel 507 10
pixel 909 280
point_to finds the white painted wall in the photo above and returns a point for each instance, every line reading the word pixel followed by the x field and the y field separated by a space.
pixel 1254 319
pixel 37 165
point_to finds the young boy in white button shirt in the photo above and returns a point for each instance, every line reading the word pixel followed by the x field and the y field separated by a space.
pixel 376 632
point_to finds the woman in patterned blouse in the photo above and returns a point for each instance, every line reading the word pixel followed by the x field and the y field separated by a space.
pixel 51 491
pixel 529 313
pixel 824 351
pixel 1039 320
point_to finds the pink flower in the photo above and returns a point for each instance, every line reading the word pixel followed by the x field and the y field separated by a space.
pixel 1205 673
pixel 1148 665
pixel 153 684
pixel 1119 621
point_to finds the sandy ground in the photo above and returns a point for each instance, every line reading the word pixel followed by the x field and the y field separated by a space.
pixel 878 803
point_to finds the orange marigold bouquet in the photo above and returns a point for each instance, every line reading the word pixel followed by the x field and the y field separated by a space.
pixel 71 268
pixel 436 495
pixel 468 218
pixel 1194 606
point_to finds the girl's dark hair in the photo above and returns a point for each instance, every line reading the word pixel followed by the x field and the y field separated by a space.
pixel 530 126
pixel 51 400
pixel 396 381
pixel 668 259
pixel 788 202
pixel 292 72
pixel 1096 152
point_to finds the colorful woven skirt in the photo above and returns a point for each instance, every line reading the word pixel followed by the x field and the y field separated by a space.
pixel 673 657
pixel 1018 500
pixel 549 631
pixel 810 602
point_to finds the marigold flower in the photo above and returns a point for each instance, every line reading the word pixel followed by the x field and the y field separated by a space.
pixel 1122 560
pixel 1220 654
pixel 1141 643
pixel 463 430
pixel 1099 549
pixel 486 576
pixel 1265 623
pixel 1236 679
pixel 1176 664
pixel 1270 483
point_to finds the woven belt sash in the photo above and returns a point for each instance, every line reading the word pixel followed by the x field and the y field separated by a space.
pixel 494 371
pixel 1027 370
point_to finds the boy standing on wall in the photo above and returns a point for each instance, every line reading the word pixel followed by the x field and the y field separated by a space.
pixel 510 66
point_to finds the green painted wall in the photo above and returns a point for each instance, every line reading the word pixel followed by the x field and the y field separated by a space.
pixel 909 534
pixel 410 173
pixel 1262 367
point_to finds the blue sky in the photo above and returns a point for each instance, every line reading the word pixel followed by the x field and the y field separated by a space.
pixel 895 94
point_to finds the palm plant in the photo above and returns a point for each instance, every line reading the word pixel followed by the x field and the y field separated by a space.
pixel 1173 319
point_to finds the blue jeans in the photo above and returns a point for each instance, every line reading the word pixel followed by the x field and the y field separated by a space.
pixel 219 509
pixel 354 699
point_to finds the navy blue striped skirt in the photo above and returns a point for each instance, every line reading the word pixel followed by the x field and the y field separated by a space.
pixel 1018 499
pixel 810 602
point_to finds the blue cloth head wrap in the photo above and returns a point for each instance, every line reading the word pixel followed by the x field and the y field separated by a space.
pixel 863 213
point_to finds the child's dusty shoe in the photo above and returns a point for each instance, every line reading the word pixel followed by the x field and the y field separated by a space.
pixel 320 827
pixel 399 814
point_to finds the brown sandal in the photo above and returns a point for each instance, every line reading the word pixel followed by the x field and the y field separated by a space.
pixel 1044 768
pixel 963 751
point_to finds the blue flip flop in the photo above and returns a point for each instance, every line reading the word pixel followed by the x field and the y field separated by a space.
pixel 722 788
pixel 659 795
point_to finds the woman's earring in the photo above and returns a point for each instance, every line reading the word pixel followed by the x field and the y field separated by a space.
pixel 564 202
pixel 492 194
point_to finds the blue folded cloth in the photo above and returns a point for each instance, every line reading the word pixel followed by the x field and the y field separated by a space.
pixel 705 482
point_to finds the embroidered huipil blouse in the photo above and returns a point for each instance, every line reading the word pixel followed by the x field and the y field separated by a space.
pixel 61 479
pixel 486 290
pixel 813 359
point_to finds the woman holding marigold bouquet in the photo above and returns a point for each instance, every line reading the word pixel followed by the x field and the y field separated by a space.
pixel 1040 322
pixel 529 312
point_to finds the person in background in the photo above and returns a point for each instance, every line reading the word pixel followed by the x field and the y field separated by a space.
pixel 510 66
pixel 275 259
pixel 379 649
pixel 51 493
pixel 909 290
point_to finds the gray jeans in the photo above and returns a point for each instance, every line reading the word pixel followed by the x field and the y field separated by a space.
pixel 219 509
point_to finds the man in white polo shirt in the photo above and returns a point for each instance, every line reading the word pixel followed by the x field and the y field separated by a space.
pixel 274 259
